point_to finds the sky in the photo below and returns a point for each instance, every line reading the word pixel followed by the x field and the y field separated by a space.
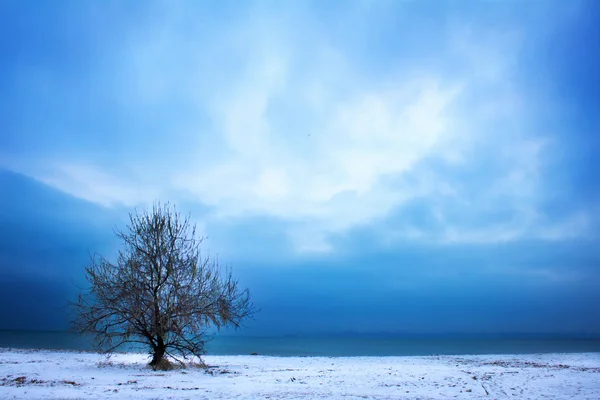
pixel 369 166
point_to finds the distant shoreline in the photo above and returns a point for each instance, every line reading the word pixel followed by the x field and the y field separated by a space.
pixel 378 335
pixel 326 346
pixel 26 350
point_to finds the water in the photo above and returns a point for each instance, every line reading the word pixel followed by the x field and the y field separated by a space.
pixel 361 346
pixel 328 346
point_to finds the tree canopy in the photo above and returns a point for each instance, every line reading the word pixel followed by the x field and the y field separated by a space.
pixel 161 291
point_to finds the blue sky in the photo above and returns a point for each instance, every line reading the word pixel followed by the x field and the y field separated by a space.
pixel 391 166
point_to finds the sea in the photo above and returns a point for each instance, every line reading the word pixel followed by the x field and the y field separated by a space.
pixel 330 345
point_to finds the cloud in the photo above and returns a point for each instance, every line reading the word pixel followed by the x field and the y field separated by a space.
pixel 91 183
pixel 273 115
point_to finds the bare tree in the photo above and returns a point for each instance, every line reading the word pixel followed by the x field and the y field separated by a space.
pixel 162 292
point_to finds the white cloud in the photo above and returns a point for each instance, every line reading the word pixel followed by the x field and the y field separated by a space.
pixel 92 184
pixel 300 131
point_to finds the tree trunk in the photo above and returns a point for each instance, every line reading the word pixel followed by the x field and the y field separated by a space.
pixel 159 352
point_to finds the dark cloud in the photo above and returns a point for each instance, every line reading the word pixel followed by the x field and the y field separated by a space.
pixel 532 287
pixel 519 287
pixel 45 241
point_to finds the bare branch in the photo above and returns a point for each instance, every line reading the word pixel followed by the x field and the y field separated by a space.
pixel 161 291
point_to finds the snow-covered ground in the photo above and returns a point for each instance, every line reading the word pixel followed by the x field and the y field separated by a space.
pixel 34 374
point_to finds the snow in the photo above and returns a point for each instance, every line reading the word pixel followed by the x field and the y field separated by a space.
pixel 39 374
